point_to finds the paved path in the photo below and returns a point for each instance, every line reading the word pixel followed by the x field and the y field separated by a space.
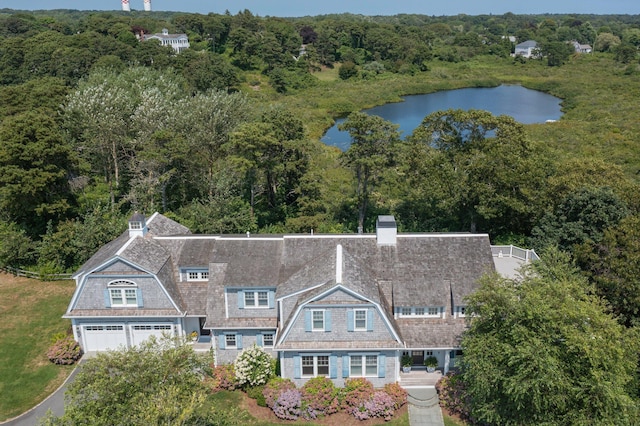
pixel 424 407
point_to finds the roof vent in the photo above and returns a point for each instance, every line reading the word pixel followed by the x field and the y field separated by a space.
pixel 137 225
pixel 386 231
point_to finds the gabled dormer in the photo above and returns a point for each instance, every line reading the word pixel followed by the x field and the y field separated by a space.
pixel 137 225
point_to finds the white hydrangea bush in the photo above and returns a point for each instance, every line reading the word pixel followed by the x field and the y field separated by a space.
pixel 253 367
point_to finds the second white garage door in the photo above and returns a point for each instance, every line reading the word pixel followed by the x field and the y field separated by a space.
pixel 141 332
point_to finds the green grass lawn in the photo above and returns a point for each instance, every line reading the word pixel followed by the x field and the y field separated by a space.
pixel 30 313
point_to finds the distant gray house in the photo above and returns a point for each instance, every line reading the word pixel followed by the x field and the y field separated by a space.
pixel 581 48
pixel 527 49
pixel 178 42
pixel 325 305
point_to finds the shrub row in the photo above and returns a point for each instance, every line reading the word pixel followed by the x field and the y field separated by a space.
pixel 453 396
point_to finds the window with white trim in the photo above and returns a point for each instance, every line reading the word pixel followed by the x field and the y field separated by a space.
pixel 195 275
pixel 230 340
pixel 256 299
pixel 363 366
pixel 360 319
pixel 420 311
pixel 123 294
pixel 315 365
pixel 267 340
pixel 317 320
pixel 461 311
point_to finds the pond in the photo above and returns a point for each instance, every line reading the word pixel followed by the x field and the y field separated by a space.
pixel 524 105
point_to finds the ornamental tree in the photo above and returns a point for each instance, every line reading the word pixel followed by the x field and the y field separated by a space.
pixel 544 351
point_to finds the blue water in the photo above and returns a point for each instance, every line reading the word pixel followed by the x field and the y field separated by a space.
pixel 524 105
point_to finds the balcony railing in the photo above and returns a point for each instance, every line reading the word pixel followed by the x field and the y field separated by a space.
pixel 513 251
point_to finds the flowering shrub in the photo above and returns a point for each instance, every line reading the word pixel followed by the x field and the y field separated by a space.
pixel 288 406
pixel 452 394
pixel 223 377
pixel 64 351
pixel 253 367
pixel 274 388
pixel 379 405
pixel 355 393
pixel 397 393
pixel 320 395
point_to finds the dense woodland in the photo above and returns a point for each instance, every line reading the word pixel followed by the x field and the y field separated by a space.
pixel 224 137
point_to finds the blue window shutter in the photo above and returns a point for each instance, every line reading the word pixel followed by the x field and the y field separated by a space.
pixel 239 341
pixel 350 320
pixel 272 299
pixel 382 364
pixel 327 320
pixel 345 366
pixel 297 367
pixel 222 341
pixel 307 320
pixel 369 319
pixel 333 367
pixel 139 297
pixel 107 299
pixel 259 339
pixel 240 299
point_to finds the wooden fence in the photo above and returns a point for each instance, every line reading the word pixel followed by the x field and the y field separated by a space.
pixel 36 275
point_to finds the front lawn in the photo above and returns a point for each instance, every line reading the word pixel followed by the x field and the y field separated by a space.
pixel 30 313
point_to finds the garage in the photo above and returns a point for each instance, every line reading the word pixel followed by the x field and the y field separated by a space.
pixel 141 332
pixel 103 337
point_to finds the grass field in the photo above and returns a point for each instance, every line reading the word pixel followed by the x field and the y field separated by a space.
pixel 30 313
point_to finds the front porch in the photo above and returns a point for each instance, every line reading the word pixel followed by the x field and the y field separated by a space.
pixel 418 377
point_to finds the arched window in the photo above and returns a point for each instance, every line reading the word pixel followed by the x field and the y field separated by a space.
pixel 123 293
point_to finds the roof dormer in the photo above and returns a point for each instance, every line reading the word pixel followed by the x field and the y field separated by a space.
pixel 137 225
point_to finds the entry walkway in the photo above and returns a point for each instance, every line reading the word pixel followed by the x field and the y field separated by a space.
pixel 424 407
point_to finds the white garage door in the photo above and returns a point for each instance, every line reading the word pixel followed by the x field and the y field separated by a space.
pixel 141 332
pixel 103 337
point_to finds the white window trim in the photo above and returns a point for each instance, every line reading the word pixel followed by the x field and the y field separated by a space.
pixel 355 320
pixel 363 358
pixel 201 274
pixel 235 341
pixel 273 339
pixel 313 323
pixel 256 299
pixel 315 365
pixel 425 315
pixel 461 311
pixel 121 287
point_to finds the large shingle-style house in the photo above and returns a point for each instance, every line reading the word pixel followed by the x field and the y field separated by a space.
pixel 332 305
pixel 527 49
pixel 178 42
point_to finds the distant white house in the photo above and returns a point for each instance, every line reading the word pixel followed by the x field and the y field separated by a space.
pixel 179 42
pixel 581 48
pixel 527 49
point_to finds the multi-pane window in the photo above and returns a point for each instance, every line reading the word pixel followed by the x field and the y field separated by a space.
pixel 360 319
pixel 420 311
pixel 317 320
pixel 230 340
pixel 363 365
pixel 135 225
pixel 462 311
pixel 123 294
pixel 267 339
pixel 197 275
pixel 256 299
pixel 315 365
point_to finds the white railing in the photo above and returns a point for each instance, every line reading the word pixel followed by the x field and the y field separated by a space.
pixel 513 251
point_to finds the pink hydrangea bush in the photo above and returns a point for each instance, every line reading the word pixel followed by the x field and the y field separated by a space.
pixel 64 351
pixel 274 388
pixel 223 377
pixel 453 395
pixel 397 393
pixel 355 393
pixel 288 405
pixel 321 396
